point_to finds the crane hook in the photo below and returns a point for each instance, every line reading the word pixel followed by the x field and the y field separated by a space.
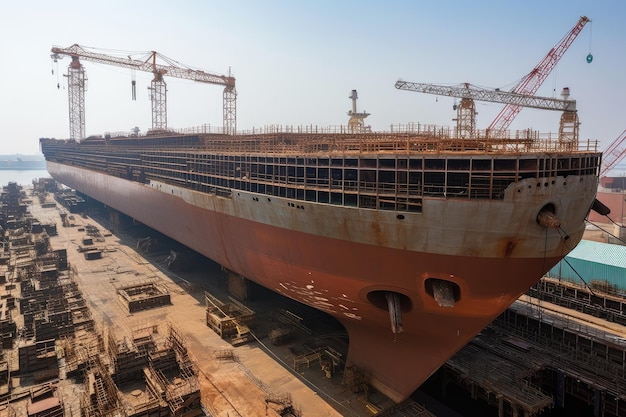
pixel 589 56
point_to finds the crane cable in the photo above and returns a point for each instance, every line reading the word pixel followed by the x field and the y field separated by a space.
pixel 55 65
pixel 564 238
pixel 589 55
pixel 572 267
pixel 588 58
pixel 133 84
pixel 606 231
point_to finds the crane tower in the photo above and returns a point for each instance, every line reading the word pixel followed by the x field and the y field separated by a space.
pixel 76 84
pixel 158 87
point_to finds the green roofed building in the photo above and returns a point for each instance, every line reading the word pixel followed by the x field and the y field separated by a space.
pixel 599 265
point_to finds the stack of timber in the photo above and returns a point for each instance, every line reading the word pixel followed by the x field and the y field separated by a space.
pixel 70 200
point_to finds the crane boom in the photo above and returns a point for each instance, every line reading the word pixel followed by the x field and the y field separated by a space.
pixel 466 111
pixel 613 154
pixel 149 65
pixel 535 78
pixel 158 90
pixel 469 91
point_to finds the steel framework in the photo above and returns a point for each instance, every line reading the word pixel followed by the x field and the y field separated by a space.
pixel 466 112
pixel 158 88
pixel 76 98
pixel 158 97
pixel 466 90
pixel 613 154
pixel 466 118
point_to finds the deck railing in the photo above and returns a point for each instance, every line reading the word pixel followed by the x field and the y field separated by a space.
pixel 413 138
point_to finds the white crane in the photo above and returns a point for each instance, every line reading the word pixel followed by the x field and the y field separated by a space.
pixel 76 85
pixel 466 111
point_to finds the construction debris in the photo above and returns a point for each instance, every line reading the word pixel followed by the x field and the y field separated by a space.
pixel 282 405
pixel 231 321
pixel 55 338
pixel 144 295
pixel 58 359
pixel 282 335
pixel 355 379
pixel 225 355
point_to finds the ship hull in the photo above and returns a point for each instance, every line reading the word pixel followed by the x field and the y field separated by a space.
pixel 340 260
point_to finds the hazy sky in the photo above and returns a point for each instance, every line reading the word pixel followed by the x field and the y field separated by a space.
pixel 297 61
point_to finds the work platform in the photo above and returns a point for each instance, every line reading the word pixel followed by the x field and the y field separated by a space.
pixel 538 354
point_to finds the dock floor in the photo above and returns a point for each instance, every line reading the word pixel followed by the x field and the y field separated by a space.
pixel 241 387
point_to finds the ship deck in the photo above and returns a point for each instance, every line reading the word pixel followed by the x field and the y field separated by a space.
pixel 392 170
pixel 412 138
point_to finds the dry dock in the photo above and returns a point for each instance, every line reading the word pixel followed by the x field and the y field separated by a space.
pixel 110 330
pixel 97 317
pixel 561 347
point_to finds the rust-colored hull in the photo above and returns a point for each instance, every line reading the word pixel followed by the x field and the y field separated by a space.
pixel 336 275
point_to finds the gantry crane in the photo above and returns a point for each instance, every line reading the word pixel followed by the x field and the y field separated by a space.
pixel 613 154
pixel 466 111
pixel 158 91
pixel 533 80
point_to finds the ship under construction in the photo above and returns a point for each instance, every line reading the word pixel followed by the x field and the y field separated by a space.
pixel 414 239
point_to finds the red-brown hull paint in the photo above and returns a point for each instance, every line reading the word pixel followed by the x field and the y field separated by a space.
pixel 326 273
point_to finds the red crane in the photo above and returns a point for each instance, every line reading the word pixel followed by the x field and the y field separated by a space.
pixel 613 154
pixel 533 80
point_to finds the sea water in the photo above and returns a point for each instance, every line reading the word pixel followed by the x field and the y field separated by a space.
pixel 21 177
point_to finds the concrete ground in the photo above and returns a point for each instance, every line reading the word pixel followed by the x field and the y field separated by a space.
pixel 229 388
